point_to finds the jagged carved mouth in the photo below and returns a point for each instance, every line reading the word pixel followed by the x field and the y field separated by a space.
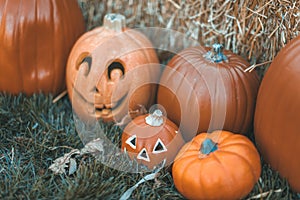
pixel 105 110
pixel 99 110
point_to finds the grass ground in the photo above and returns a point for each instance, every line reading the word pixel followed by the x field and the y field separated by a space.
pixel 34 132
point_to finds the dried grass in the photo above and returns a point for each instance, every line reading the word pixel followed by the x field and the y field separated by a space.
pixel 255 29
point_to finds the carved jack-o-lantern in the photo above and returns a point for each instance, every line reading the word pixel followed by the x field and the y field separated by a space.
pixel 152 138
pixel 110 71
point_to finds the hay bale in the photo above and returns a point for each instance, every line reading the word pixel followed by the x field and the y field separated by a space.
pixel 255 29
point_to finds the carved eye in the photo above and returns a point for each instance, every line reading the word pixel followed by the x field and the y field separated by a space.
pixel 131 141
pixel 84 63
pixel 159 147
pixel 143 155
pixel 115 69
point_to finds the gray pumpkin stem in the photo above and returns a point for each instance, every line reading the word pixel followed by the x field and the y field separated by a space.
pixel 155 119
pixel 116 22
pixel 216 54
pixel 208 146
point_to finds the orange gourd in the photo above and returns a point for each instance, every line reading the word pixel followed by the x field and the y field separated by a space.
pixel 217 165
pixel 276 122
pixel 36 37
pixel 110 71
pixel 206 89
pixel 151 138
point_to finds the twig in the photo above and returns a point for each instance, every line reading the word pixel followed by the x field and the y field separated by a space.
pixel 175 4
pixel 252 67
pixel 260 9
pixel 262 195
pixel 12 156
pixel 65 147
pixel 60 96
pixel 256 12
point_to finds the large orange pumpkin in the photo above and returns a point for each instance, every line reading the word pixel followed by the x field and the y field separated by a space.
pixel 152 138
pixel 205 89
pixel 277 114
pixel 110 71
pixel 217 165
pixel 36 37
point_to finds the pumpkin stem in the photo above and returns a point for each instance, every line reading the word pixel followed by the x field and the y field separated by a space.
pixel 208 146
pixel 155 119
pixel 216 54
pixel 114 22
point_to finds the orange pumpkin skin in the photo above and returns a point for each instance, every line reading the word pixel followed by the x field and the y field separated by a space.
pixel 35 39
pixel 147 137
pixel 229 172
pixel 96 90
pixel 276 122
pixel 220 94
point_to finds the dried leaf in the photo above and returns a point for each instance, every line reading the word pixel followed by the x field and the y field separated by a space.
pixel 73 166
pixel 148 177
pixel 60 164
pixel 66 162
pixel 93 147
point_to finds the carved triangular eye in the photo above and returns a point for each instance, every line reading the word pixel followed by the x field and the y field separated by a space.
pixel 143 155
pixel 159 147
pixel 131 141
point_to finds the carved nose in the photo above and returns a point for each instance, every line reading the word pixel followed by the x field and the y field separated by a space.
pixel 106 86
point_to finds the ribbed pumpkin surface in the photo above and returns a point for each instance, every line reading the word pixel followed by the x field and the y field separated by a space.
pixel 229 172
pixel 202 96
pixel 276 124
pixel 36 37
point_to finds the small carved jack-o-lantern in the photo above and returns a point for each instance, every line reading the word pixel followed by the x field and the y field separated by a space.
pixel 151 139
pixel 110 71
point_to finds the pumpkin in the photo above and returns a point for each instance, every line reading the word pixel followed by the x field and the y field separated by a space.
pixel 110 70
pixel 276 122
pixel 217 165
pixel 151 138
pixel 205 89
pixel 36 38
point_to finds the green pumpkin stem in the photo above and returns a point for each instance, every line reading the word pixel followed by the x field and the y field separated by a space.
pixel 216 54
pixel 114 22
pixel 208 146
